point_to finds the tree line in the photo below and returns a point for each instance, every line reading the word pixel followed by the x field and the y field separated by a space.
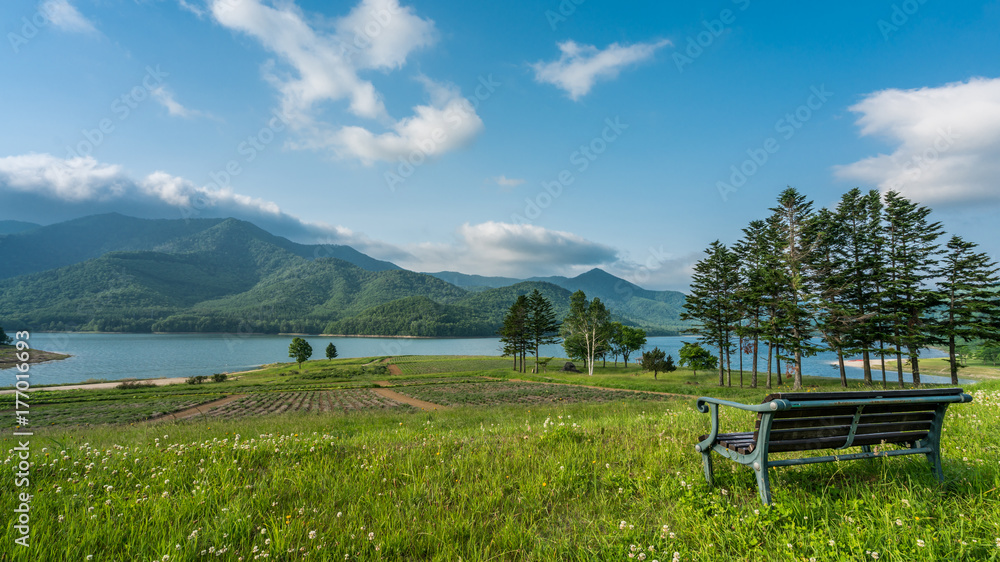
pixel 871 276
pixel 587 332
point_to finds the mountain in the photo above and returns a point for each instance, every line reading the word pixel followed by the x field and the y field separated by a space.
pixel 226 275
pixel 656 311
pixel 13 227
pixel 76 241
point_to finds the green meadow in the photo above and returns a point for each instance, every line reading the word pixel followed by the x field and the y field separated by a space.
pixel 319 464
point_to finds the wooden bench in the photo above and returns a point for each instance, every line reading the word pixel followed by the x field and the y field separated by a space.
pixel 831 420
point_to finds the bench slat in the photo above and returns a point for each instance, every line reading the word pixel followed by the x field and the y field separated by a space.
pixel 790 423
pixel 844 430
pixel 806 412
pixel 862 395
pixel 834 442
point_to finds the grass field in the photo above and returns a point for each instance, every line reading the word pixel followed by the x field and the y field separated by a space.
pixel 508 479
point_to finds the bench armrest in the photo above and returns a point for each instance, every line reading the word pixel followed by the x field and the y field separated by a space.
pixel 772 406
pixel 707 404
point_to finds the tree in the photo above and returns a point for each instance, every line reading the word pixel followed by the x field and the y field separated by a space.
pixel 625 340
pixel 654 361
pixel 712 302
pixel 696 357
pixel 753 252
pixel 514 331
pixel 990 351
pixel 790 218
pixel 668 365
pixel 912 252
pixel 825 273
pixel 542 326
pixel 586 325
pixel 300 350
pixel 971 303
pixel 4 338
pixel 331 351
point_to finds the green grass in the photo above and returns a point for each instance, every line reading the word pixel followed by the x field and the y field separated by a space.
pixel 562 481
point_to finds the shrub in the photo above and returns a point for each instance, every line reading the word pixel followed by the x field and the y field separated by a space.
pixel 196 380
pixel 220 377
pixel 127 384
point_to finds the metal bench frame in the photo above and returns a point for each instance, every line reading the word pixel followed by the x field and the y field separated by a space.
pixel 758 460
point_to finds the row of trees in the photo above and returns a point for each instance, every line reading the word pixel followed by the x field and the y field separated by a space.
pixel 587 333
pixel 869 277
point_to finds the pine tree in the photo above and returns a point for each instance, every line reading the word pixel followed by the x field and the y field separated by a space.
pixel 712 302
pixel 752 253
pixel 912 250
pixel 825 268
pixel 542 326
pixel 514 331
pixel 791 216
pixel 971 304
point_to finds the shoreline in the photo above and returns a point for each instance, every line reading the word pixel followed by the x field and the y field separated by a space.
pixel 8 359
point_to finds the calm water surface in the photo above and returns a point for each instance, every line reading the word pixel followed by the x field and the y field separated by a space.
pixel 141 356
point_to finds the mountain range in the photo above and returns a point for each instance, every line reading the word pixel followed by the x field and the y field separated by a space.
pixel 122 274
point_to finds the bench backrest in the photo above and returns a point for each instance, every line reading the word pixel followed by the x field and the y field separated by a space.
pixel 832 420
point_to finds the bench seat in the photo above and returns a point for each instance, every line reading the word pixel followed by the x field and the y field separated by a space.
pixel 789 422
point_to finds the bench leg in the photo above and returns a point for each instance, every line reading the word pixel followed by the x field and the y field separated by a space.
pixel 763 484
pixel 706 462
pixel 935 459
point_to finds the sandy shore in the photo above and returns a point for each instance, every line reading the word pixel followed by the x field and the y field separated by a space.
pixel 113 384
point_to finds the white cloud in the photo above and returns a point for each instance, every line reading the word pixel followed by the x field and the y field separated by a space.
pixel 65 16
pixel 74 179
pixel 325 67
pixel 507 182
pixel 191 8
pixel 947 142
pixel 520 250
pixel 580 66
pixel 165 97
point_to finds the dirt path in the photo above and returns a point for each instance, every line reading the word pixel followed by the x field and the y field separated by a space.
pixel 113 384
pixel 199 410
pixel 393 369
pixel 393 395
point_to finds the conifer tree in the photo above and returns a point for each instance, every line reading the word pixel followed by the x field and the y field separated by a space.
pixel 967 289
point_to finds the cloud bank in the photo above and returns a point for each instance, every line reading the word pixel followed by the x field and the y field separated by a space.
pixel 43 188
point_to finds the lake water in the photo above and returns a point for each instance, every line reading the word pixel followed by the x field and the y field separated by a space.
pixel 141 356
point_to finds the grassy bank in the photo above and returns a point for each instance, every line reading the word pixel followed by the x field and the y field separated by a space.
pixel 532 472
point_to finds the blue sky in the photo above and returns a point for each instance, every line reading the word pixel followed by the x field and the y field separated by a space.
pixel 514 138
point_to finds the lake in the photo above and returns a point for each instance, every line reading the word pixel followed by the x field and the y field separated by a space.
pixel 142 356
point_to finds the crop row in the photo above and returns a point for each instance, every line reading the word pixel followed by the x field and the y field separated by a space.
pixel 490 393
pixel 111 411
pixel 267 403
pixel 462 364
